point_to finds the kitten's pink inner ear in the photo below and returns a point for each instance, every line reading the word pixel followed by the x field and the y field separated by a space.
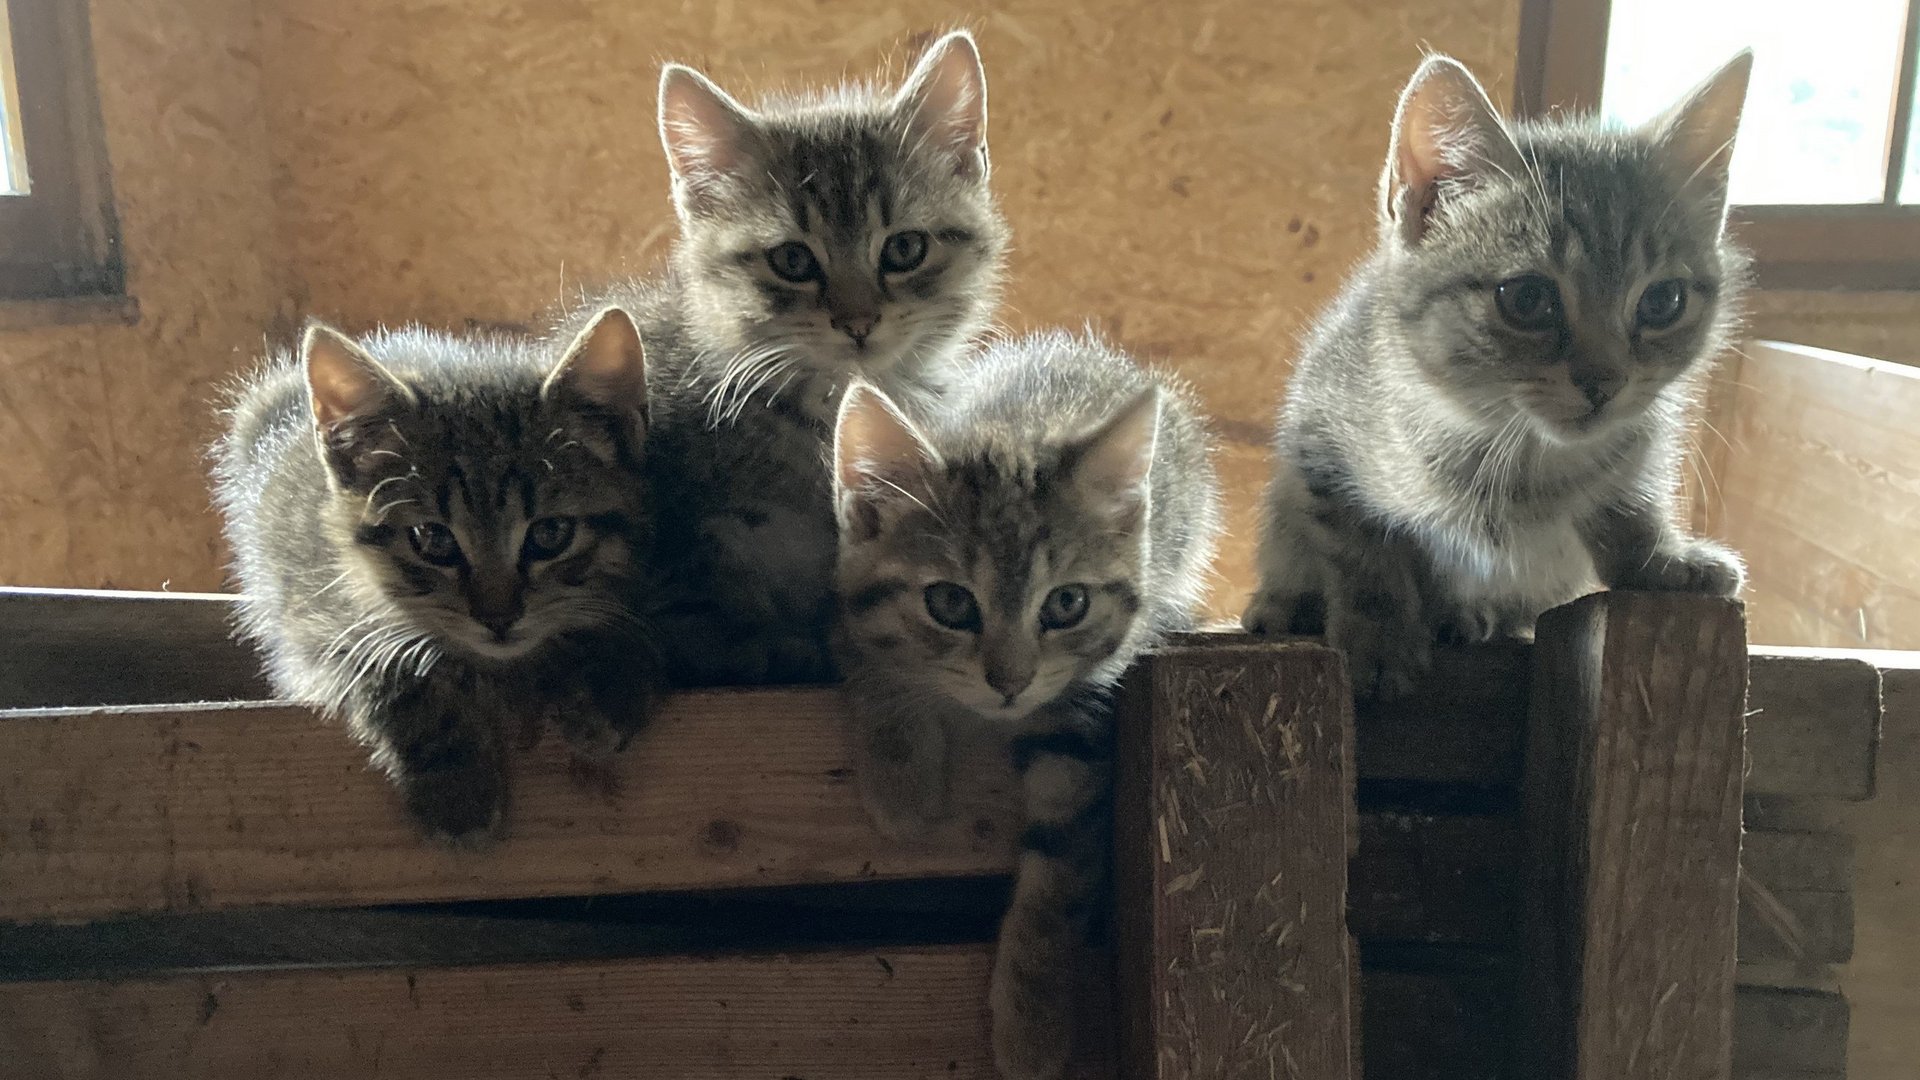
pixel 1445 130
pixel 707 134
pixel 1698 132
pixel 606 364
pixel 946 101
pixel 873 441
pixel 1117 459
pixel 343 381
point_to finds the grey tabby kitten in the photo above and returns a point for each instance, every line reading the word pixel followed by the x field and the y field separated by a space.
pixel 1490 418
pixel 823 238
pixel 1002 563
pixel 436 536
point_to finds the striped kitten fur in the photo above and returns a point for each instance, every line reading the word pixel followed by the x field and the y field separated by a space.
pixel 842 235
pixel 1002 561
pixel 435 537
pixel 1490 419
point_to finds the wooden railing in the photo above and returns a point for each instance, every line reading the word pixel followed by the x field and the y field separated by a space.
pixel 1537 851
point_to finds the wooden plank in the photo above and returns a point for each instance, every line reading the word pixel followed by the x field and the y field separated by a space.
pixel 1454 1021
pixel 1796 897
pixel 1822 494
pixel 905 1014
pixel 1233 953
pixel 1815 726
pixel 1789 1033
pixel 70 647
pixel 198 808
pixel 1462 726
pixel 1632 807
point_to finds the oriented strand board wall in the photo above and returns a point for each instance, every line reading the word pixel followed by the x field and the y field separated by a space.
pixel 101 427
pixel 1194 178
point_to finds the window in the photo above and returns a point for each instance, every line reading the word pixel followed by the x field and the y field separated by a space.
pixel 58 238
pixel 1826 174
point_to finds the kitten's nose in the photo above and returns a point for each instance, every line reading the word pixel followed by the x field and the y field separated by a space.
pixel 500 623
pixel 856 326
pixel 1010 681
pixel 1599 384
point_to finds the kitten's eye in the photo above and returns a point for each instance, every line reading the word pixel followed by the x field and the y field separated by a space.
pixel 903 251
pixel 1529 302
pixel 793 261
pixel 548 537
pixel 1064 607
pixel 435 543
pixel 952 606
pixel 1662 304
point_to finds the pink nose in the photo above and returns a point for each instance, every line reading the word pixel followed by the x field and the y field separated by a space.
pixel 856 327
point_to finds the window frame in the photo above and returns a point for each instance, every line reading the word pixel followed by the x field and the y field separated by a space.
pixel 60 242
pixel 1861 246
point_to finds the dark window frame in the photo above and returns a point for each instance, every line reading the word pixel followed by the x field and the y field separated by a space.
pixel 60 242
pixel 1862 246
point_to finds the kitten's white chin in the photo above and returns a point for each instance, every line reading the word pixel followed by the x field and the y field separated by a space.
pixel 514 647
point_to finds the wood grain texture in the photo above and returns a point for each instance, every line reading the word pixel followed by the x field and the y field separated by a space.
pixel 1632 802
pixel 192 809
pixel 68 648
pixel 1821 491
pixel 1234 805
pixel 907 1014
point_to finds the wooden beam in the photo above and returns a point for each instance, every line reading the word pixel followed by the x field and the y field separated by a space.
pixel 1632 806
pixel 1818 721
pixel 906 1014
pixel 80 648
pixel 1234 824
pixel 197 808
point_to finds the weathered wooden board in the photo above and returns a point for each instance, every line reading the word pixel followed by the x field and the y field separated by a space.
pixel 66 647
pixel 1455 1022
pixel 1234 822
pixel 1813 729
pixel 1796 897
pixel 1632 804
pixel 906 1014
pixel 197 808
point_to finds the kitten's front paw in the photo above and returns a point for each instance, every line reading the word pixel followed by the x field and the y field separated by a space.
pixel 1701 566
pixel 901 807
pixel 1468 626
pixel 462 807
pixel 1278 612
pixel 1385 658
pixel 590 733
pixel 1032 1024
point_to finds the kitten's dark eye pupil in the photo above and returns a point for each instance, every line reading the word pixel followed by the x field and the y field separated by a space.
pixel 1064 607
pixel 1529 302
pixel 952 606
pixel 549 536
pixel 1662 304
pixel 903 251
pixel 435 543
pixel 793 260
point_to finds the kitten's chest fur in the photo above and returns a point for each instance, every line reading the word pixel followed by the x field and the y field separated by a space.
pixel 1502 525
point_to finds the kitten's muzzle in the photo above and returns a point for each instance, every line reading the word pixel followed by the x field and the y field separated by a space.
pixel 1599 384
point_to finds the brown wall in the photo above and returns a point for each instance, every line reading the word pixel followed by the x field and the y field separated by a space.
pixel 1193 178
pixel 101 426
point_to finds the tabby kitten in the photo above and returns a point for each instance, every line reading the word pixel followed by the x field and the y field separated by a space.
pixel 434 536
pixel 841 235
pixel 1491 415
pixel 1003 562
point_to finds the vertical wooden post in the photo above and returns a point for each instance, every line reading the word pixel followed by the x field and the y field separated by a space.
pixel 1235 816
pixel 1632 805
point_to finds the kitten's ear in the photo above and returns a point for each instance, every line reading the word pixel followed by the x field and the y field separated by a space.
pixel 606 366
pixel 344 381
pixel 1111 465
pixel 1696 135
pixel 1446 135
pixel 710 138
pixel 945 101
pixel 877 454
